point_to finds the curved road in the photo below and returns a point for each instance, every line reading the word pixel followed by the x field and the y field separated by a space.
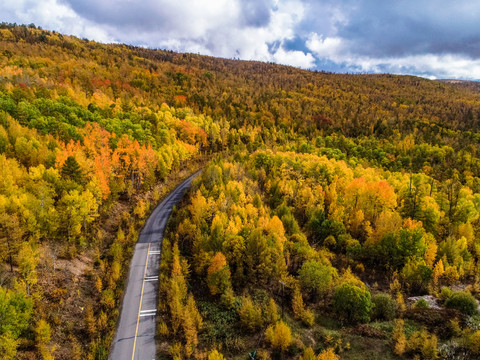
pixel 135 336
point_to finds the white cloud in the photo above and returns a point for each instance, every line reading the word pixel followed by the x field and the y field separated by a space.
pixel 295 58
pixel 217 28
pixel 52 15
pixel 325 47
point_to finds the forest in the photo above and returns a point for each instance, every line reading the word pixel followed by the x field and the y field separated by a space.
pixel 336 215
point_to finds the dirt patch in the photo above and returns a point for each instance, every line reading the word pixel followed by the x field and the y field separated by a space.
pixel 368 331
pixel 78 266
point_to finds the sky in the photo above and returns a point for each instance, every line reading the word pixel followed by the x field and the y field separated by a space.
pixel 429 38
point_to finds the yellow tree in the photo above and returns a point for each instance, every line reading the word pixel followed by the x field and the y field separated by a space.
pixel 328 354
pixel 279 336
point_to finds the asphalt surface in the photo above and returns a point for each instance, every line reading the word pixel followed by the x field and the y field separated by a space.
pixel 135 336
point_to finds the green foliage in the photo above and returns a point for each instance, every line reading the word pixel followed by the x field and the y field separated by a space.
pixel 446 293
pixel 352 303
pixel 396 249
pixel 250 314
pixel 315 277
pixel 464 302
pixel 384 307
pixel 15 312
pixel 422 304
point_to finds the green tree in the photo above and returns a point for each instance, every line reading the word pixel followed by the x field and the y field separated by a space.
pixel 352 303
pixel 316 277
pixel 72 170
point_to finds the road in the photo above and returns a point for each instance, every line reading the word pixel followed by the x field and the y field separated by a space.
pixel 135 336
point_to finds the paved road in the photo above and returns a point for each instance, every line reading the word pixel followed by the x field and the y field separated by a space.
pixel 135 336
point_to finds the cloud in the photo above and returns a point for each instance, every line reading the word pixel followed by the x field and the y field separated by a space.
pixel 54 15
pixel 428 38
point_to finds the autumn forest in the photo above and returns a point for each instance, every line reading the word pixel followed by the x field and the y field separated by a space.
pixel 336 216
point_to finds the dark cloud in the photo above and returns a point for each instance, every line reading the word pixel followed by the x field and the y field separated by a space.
pixel 401 28
pixel 256 13
pixel 146 15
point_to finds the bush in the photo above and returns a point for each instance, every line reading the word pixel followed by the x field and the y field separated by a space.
pixel 422 304
pixel 463 302
pixel 445 293
pixel 474 343
pixel 250 314
pixel 352 303
pixel 280 336
pixel 385 307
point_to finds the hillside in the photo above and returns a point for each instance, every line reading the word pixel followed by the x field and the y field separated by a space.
pixel 330 199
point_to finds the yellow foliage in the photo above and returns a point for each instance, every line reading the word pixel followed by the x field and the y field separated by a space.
pixel 328 354
pixel 218 262
pixel 215 355
pixel 431 253
pixel 474 342
pixel 438 271
pixel 308 354
pixel 400 341
pixel 279 336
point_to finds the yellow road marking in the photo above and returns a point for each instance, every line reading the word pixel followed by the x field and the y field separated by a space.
pixel 140 306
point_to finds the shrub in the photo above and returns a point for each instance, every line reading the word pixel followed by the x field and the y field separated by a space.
pixel 398 335
pixel 352 303
pixel 445 293
pixel 279 335
pixel 308 318
pixel 422 304
pixel 328 354
pixel 463 302
pixel 250 314
pixel 384 308
pixel 424 343
pixel 474 343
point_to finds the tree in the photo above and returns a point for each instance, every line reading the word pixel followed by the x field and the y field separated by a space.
pixel 218 278
pixel 316 277
pixel 11 233
pixel 8 346
pixel 15 313
pixel 215 355
pixel 271 312
pixel 279 336
pixel 308 354
pixel 328 354
pixel 27 263
pixel 42 333
pixel 72 170
pixel 250 314
pixel 400 341
pixel 352 303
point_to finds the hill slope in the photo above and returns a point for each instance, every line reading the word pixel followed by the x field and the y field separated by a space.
pixel 319 173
